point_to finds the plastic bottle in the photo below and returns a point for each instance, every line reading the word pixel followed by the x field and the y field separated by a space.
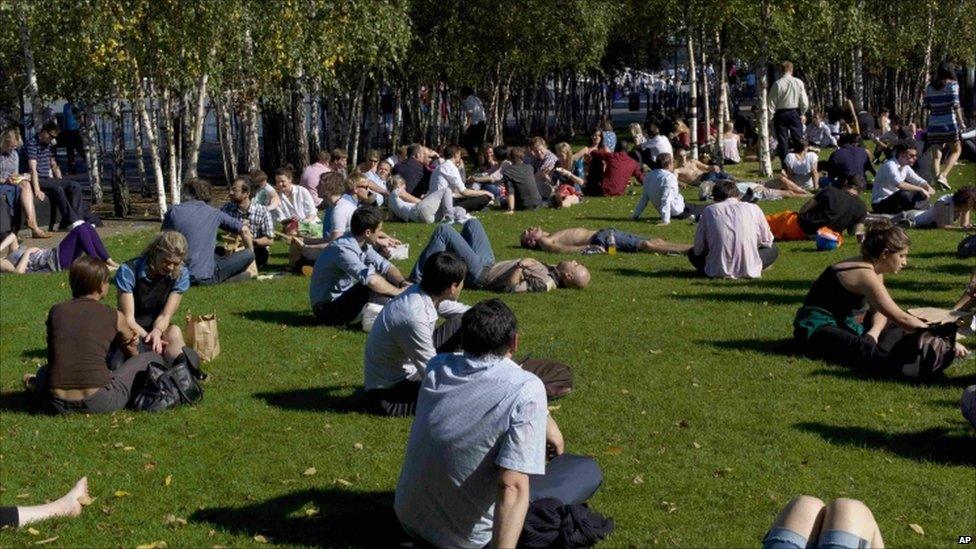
pixel 612 244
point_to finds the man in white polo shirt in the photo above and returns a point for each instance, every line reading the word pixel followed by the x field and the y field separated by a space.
pixel 448 174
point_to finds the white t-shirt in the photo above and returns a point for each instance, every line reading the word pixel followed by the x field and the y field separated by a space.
pixel 447 175
pixel 657 145
pixel 889 176
pixel 475 109
pixel 730 147
pixel 341 214
pixel 801 168
pixel 942 212
pixel 401 208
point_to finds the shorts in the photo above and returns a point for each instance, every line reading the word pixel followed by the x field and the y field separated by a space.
pixel 786 226
pixel 783 538
pixel 626 242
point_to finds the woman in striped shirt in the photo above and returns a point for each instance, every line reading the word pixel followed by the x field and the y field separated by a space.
pixel 944 119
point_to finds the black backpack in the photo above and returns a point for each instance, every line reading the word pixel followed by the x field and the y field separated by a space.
pixel 925 354
pixel 967 248
pixel 167 388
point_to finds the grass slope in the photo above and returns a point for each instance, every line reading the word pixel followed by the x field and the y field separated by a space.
pixel 703 425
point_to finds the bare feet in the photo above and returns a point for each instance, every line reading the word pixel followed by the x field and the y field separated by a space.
pixel 69 506
pixel 37 232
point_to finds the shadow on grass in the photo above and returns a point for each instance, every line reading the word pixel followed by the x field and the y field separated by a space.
pixel 319 399
pixel 35 353
pixel 666 273
pixel 19 402
pixel 936 444
pixel 742 297
pixel 294 319
pixel 343 519
pixel 956 269
pixel 841 373
pixel 782 347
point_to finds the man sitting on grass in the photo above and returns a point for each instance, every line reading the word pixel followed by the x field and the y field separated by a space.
pixel 349 273
pixel 405 337
pixel 835 207
pixel 255 216
pixel 481 429
pixel 662 190
pixel 580 239
pixel 733 239
pixel 512 276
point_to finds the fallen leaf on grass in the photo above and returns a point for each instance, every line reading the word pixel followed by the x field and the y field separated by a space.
pixel 153 545
pixel 358 446
pixel 654 351
pixel 343 482
pixel 33 532
pixel 149 466
pixel 917 529
pixel 683 424
pixel 613 451
pixel 46 541
pixel 260 539
pixel 639 479
pixel 309 472
pixel 85 500
pixel 554 408
pixel 311 512
pixel 106 510
pixel 624 392
pixel 25 495
pixel 175 521
pixel 168 480
pixel 122 494
pixel 722 472
pixel 669 506
pixel 696 445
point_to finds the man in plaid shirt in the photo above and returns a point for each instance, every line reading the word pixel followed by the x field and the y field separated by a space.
pixel 254 215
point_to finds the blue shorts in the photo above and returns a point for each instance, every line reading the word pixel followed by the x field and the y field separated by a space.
pixel 626 242
pixel 783 538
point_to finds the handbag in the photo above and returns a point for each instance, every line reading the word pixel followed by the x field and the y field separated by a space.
pixel 923 355
pixel 166 388
pixel 202 336
pixel 967 248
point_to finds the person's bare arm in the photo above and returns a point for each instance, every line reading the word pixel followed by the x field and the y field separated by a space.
pixel 554 436
pixel 394 276
pixel 35 179
pixel 263 241
pixel 407 197
pixel 127 306
pixel 55 169
pixel 511 203
pixel 380 285
pixel 873 288
pixel 511 506
pixel 472 192
pixel 130 339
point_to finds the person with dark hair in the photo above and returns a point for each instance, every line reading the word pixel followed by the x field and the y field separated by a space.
pixel 543 163
pixel 151 288
pixel 338 162
pixel 801 165
pixel 835 207
pixel 618 169
pixel 198 222
pixel 473 135
pixel 414 170
pixel 850 159
pixel 950 211
pixel 662 191
pixel 491 178
pixel 15 188
pixel 297 203
pixel 349 273
pixel 80 241
pixel 512 276
pixel 46 177
pixel 405 335
pixel 944 121
pixel 832 324
pixel 255 216
pixel 489 417
pixel 522 188
pixel 897 187
pixel 788 101
pixel 264 193
pixel 733 239
pixel 80 335
pixel 580 239
pixel 448 174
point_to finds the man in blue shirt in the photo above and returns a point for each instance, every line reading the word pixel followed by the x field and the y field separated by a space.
pixel 46 177
pixel 349 273
pixel 71 135
pixel 198 222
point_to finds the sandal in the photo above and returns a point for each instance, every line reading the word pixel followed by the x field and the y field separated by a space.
pixel 943 184
pixel 39 234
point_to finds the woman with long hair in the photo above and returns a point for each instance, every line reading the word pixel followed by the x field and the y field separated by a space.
pixel 944 120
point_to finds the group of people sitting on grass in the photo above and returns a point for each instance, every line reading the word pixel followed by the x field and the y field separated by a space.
pixel 451 365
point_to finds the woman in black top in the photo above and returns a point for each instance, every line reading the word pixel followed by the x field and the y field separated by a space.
pixel 832 323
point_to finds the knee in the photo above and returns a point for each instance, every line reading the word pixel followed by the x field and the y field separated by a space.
pixel 851 510
pixel 173 334
pixel 805 503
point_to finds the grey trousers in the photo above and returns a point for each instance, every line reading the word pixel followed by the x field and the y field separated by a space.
pixel 115 395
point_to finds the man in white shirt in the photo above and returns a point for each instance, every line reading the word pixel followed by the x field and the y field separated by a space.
pixel 447 174
pixel 655 146
pixel 481 429
pixel 473 137
pixel 788 101
pixel 404 337
pixel 661 189
pixel 897 187
pixel 733 238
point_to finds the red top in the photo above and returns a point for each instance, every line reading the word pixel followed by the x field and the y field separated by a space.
pixel 618 168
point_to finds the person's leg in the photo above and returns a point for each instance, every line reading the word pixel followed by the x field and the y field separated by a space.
pixel 345 308
pixel 955 149
pixel 56 193
pixel 173 337
pixel 849 523
pixel 661 246
pixel 571 479
pixel 431 207
pixel 693 210
pixel 261 255
pixel 65 506
pixel 473 232
pixel 698 261
pixel 228 267
pixel 898 202
pixel 936 152
pixel 472 203
pixel 82 239
pixel 797 524
pixel 782 133
pixel 768 255
pixel 397 401
pixel 447 336
pixel 125 380
pixel 440 239
pixel 846 348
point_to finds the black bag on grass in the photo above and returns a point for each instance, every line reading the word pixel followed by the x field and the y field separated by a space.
pixel 967 248
pixel 924 354
pixel 167 388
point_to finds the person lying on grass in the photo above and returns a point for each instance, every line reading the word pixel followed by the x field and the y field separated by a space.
pixel 511 276
pixel 831 323
pixel 405 335
pixel 481 429
pixel 80 337
pixel 151 288
pixel 349 273
pixel 580 239
pixel 81 241
pixel 950 211
pixel 807 522
pixel 835 207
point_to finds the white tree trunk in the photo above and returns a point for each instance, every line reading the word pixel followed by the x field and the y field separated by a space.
pixel 192 154
pixel 693 96
pixel 723 113
pixel 120 188
pixel 253 157
pixel 226 127
pixel 174 179
pixel 315 139
pixel 765 161
pixel 926 68
pixel 300 118
pixel 157 165
pixel 137 131
pixel 706 102
pixel 91 153
pixel 35 98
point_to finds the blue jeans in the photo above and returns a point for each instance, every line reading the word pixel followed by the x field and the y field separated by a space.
pixel 784 538
pixel 472 246
pixel 228 268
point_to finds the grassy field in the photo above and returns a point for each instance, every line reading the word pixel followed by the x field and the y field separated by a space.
pixel 703 421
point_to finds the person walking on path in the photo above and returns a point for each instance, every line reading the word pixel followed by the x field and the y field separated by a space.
pixel 788 101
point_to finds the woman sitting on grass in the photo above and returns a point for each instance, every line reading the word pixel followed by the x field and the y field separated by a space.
pixel 807 522
pixel 831 324
pixel 81 240
pixel 151 288
pixel 567 176
pixel 80 336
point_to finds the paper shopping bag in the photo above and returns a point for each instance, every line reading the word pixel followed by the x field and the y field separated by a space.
pixel 201 335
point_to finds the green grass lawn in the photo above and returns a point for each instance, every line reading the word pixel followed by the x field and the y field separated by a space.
pixel 704 425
